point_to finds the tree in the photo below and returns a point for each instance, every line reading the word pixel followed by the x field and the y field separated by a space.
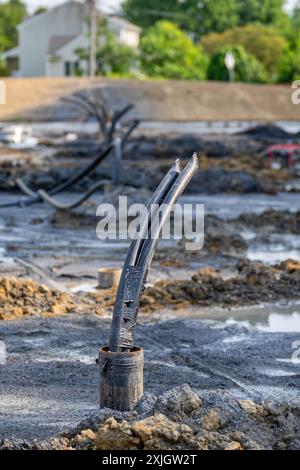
pixel 112 56
pixel 206 16
pixel 39 11
pixel 12 13
pixel 263 42
pixel 289 66
pixel 247 67
pixel 168 52
pixel 296 23
pixel 198 17
pixel 4 72
pixel 260 11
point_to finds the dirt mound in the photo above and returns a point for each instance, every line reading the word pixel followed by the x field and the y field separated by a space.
pixel 268 131
pixel 181 419
pixel 172 100
pixel 215 421
pixel 253 283
pixel 279 221
pixel 19 297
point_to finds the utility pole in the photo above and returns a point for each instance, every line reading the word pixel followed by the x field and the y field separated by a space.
pixel 93 37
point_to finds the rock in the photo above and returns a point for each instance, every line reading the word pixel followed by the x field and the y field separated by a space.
pixel 154 432
pixel 116 436
pixel 58 309
pixel 234 445
pixel 59 444
pixel 85 440
pixel 179 402
pixel 24 297
pixel 158 432
pixel 290 266
pixel 212 420
pixel 257 411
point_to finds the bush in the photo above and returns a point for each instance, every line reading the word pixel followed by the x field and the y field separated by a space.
pixel 263 42
pixel 168 52
pixel 113 58
pixel 289 66
pixel 4 72
pixel 247 67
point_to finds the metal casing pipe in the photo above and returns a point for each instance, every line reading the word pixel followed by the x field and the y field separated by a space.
pixel 122 378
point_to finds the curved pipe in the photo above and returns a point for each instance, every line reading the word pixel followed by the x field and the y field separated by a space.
pixel 59 205
pixel 156 199
pixel 24 188
pixel 116 118
pixel 62 187
pixel 35 197
pixel 175 192
pixel 139 258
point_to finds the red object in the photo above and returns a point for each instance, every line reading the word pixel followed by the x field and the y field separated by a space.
pixel 289 149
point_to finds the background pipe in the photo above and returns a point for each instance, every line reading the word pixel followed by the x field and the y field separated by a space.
pixel 35 197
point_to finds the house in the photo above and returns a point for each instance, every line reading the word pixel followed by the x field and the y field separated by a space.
pixel 48 41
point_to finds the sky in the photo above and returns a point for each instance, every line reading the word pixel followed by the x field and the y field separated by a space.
pixel 108 5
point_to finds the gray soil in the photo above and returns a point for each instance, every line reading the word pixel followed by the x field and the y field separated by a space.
pixel 50 381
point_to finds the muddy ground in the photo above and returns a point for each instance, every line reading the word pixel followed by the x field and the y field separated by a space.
pixel 220 326
pixel 236 163
pixel 50 383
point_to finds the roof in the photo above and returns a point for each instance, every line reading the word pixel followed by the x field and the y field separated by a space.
pixel 57 42
pixel 115 19
pixel 122 22
pixel 32 18
pixel 15 52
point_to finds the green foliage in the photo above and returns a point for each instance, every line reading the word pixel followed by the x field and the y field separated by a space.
pixel 39 10
pixel 296 16
pixel 289 66
pixel 12 13
pixel 4 72
pixel 261 11
pixel 205 16
pixel 263 42
pixel 190 15
pixel 247 67
pixel 168 52
pixel 112 56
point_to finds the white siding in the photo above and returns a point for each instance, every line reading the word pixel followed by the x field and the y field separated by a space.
pixel 66 20
pixel 34 36
pixel 130 38
pixel 54 69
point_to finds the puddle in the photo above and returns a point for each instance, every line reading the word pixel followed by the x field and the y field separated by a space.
pixel 235 339
pixel 232 206
pixel 279 247
pixel 86 287
pixel 274 323
pixel 276 372
pixel 215 127
pixel 281 323
pixel 272 257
